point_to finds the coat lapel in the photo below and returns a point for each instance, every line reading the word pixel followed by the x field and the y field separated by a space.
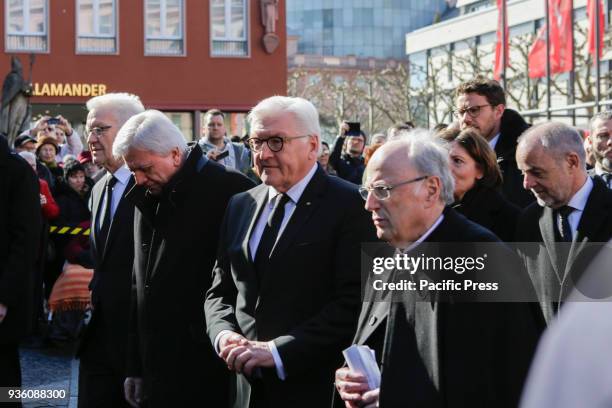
pixel 547 229
pixel 121 208
pixel 306 206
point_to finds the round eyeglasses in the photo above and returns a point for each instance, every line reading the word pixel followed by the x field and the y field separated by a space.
pixel 275 143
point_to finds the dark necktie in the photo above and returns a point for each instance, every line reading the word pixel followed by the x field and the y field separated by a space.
pixel 270 234
pixel 606 178
pixel 565 231
pixel 106 221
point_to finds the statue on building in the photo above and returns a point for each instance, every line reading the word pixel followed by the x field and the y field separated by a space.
pixel 269 16
pixel 16 110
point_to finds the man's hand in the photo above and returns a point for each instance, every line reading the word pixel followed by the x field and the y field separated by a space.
pixel 212 155
pixel 353 388
pixel 344 127
pixel 247 355
pixel 370 398
pixel 228 341
pixel 64 125
pixel 3 310
pixel 40 126
pixel 133 391
pixel 43 199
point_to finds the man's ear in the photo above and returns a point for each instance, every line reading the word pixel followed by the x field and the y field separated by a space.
pixel 314 144
pixel 433 188
pixel 177 157
pixel 572 160
pixel 499 110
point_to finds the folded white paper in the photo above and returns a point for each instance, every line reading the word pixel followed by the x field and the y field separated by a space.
pixel 362 360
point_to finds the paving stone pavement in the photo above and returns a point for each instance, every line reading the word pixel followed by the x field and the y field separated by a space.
pixel 50 368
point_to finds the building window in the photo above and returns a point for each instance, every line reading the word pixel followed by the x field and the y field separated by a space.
pixel 26 23
pixel 229 28
pixel 164 27
pixel 97 26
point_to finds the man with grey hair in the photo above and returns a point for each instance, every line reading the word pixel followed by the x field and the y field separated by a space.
pixel 437 353
pixel 102 349
pixel 600 138
pixel 285 294
pixel 170 361
pixel 572 211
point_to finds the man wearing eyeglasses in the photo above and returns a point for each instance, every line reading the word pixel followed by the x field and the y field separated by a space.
pixel 481 104
pixel 102 350
pixel 285 296
pixel 434 353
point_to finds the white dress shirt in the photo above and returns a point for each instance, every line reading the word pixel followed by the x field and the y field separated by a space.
pixel 578 202
pixel 493 142
pixel 294 193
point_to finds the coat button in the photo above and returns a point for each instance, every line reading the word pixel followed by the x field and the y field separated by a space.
pixel 145 247
pixel 373 320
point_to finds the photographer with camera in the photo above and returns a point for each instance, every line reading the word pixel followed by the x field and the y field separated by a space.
pixel 350 164
pixel 58 127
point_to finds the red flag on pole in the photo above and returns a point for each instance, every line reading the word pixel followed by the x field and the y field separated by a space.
pixel 591 29
pixel 501 46
pixel 561 41
pixel 564 41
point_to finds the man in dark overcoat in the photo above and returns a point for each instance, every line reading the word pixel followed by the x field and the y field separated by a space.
pixel 180 197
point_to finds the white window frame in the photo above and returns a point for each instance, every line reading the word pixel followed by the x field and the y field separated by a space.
pixel 26 23
pixel 162 24
pixel 96 10
pixel 228 19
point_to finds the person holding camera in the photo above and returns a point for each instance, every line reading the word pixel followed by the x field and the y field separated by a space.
pixel 67 138
pixel 218 147
pixel 350 164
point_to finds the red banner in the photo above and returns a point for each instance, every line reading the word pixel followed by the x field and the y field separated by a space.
pixel 501 46
pixel 591 32
pixel 561 41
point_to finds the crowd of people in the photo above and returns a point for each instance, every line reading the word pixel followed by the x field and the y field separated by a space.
pixel 228 272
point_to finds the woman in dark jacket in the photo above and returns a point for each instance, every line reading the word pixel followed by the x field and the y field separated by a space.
pixel 477 182
pixel 72 196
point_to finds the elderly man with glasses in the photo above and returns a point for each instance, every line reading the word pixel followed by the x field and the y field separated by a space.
pixel 480 104
pixel 436 351
pixel 286 295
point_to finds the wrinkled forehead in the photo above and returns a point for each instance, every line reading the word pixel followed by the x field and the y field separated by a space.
pixel 602 125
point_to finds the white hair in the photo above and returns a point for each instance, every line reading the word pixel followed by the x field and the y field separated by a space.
pixel 28 156
pixel 150 130
pixel 306 115
pixel 123 105
pixel 428 155
pixel 558 138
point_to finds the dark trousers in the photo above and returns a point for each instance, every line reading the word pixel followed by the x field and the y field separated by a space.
pixel 100 383
pixel 10 369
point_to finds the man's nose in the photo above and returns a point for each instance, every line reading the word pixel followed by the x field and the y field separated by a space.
pixel 371 202
pixel 139 178
pixel 528 183
pixel 265 152
pixel 91 138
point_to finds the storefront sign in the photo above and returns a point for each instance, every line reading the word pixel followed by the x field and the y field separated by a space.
pixel 53 89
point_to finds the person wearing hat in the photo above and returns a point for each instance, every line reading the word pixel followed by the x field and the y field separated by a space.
pixel 46 151
pixel 92 170
pixel 25 143
pixel 68 140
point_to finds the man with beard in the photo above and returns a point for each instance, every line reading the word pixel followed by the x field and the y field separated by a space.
pixel 481 105
pixel 572 212
pixel 350 165
pixel 601 146
pixel 179 195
